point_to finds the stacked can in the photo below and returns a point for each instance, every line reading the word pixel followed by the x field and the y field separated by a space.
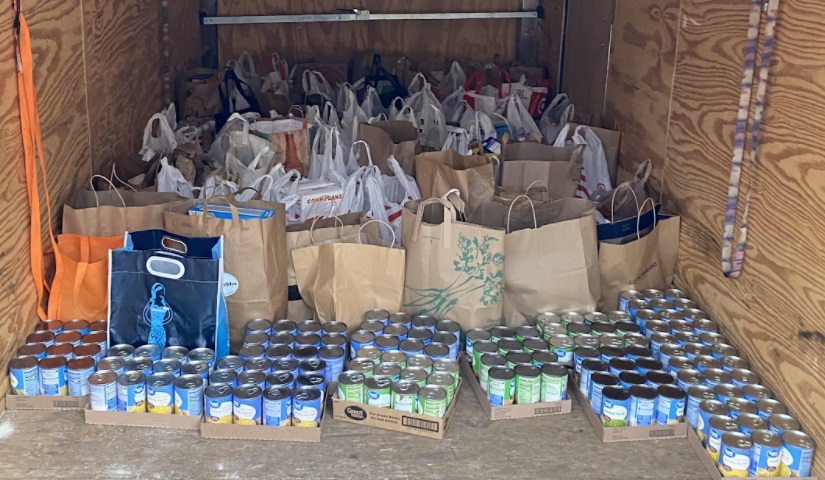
pixel 275 405
pixel 58 358
pixel 522 365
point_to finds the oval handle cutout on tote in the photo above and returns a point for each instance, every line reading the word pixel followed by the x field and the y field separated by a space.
pixel 165 267
pixel 173 245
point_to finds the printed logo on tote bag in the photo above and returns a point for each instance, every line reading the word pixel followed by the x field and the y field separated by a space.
pixel 156 314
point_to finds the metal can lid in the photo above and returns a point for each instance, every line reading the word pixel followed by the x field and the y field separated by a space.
pixel 419 333
pixel 798 439
pixel 502 332
pixel 649 363
pixel 131 377
pixel 307 339
pixel 680 362
pixel 638 351
pixel 594 365
pixel 632 377
pixel 223 376
pixel 24 362
pixel 622 363
pixel 501 373
pixel 560 341
pixel 333 339
pixel 387 370
pixel 282 338
pixel 643 391
pixel 387 341
pixel 277 392
pixel 400 318
pixel 397 330
pixel 76 324
pixel 377 314
pixel 309 326
pixel 166 365
pixel 306 393
pixel 690 376
pixel 231 361
pixel 552 369
pixel 334 327
pixel 284 325
pixel 727 390
pixel 247 391
pixel 784 422
pixel 419 361
pixel 768 438
pixel 478 334
pixel 737 440
pixel 218 391
pixel 351 377
pixel 305 351
pixel 630 294
pixel 439 378
pixel 437 350
pixel 81 363
pixel 713 407
pixel 257 338
pixel 604 378
pixel 415 374
pixel 579 328
pixel 415 345
pixel 369 351
pixel 160 379
pixel 249 351
pixel 707 362
pixel 284 377
pixel 140 363
pixel 528 331
pixel 696 349
pixel 751 421
pixel 716 375
pixel 286 363
pixel 744 376
pixel 702 392
pixel 612 351
pixel 258 325
pixel 546 356
pixel 68 336
pixel 446 338
pixel 175 351
pixel 615 392
pixel 490 359
pixel 149 350
pixel 518 357
pixel 770 406
pixel 311 379
pixel 659 377
pixel 111 363
pixel 331 352
pixel 59 349
pixel 361 364
pixel 535 344
pixel 671 391
pixel 527 370
pixel 594 318
pixel 194 368
pixel 103 377
pixel 712 338
pixel 603 328
pixel 252 376
pixel 432 392
pixel 546 318
pixel 628 327
pixel 661 304
pixel 312 365
pixel 405 387
pixel 724 423
pixel 258 364
pixel 448 326
pixel 393 356
pixel 424 321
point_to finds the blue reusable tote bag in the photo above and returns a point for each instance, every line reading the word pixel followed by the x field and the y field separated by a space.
pixel 166 290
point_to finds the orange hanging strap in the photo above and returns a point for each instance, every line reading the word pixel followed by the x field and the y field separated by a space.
pixel 32 144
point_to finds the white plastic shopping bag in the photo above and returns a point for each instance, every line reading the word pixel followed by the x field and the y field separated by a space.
pixel 249 157
pixel 171 180
pixel 162 144
pixel 327 156
pixel 595 174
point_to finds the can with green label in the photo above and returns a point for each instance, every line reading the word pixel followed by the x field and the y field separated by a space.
pixel 405 396
pixel 447 366
pixel 544 320
pixel 501 384
pixel 528 384
pixel 432 401
pixel 488 361
pixel 378 391
pixel 444 380
pixel 480 348
pixel 553 382
pixel 514 358
pixel 351 386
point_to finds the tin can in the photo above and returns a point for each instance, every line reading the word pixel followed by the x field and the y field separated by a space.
pixel 656 326
pixel 725 392
pixel 334 340
pixel 735 455
pixel 620 364
pixel 448 339
pixel 540 357
pixel 563 348
pixel 692 350
pixel 370 352
pixel 720 350
pixel 351 386
pixel 705 362
pixel 88 350
pixel 24 376
pixel 595 318
pixel 451 326
pixel 363 365
pixel 167 365
pixel 308 339
pixel 731 363
pixel 681 304
pixel 444 380
pixel 671 314
pixel 372 326
pixel 285 326
pixel 545 319
pixel 405 396
pixel 148 351
pixel 703 325
pixel 708 408
pixel 424 335
pixel 618 316
pixel 282 338
pixel 131 392
pixel 424 321
pixel 609 352
pixel 53 326
pixel 696 394
pixel 488 361
pixel 312 380
pixel 753 393
pixel 670 406
pixel 189 395
pixel 693 314
pixel 581 354
pixel 748 422
pixel 515 358
pixel 501 385
pixel 659 304
pixel 527 331
pixel 81 326
pixel 176 352
pixel 334 328
pixel 398 331
pixel 395 357
pixel 741 377
pixel 766 456
pixel 206 355
pixel 531 345
pixel 253 377
pixel 224 376
pixel 274 352
pixel 313 365
pixel 281 378
pixel 710 338
pixel 652 294
pixel 598 381
pixel 646 364
pixel 386 343
pixel 36 350
pixel 797 454
pixel 480 348
pixel 765 407
pixel 643 400
pixel 569 318
pixel 719 425
pixel 65 350
pixel 472 336
pixel 277 406
pixel 391 371
pixel 305 352
pixel 259 325
pixel 257 338
pixel 609 340
pixel 576 329
pixel 498 333
pixel 677 364
pixel 217 403
pixel 689 377
pixel 657 340
pixel 508 345
pixel 200 369
pixel 623 328
pixel 715 376
pixel 417 375
pixel 308 326
pixel 588 367
pixel 306 407
pixel 779 423
pixel 333 357
pixel 626 296
pixel 99 326
pixel 259 364
pixel 411 346
pixel 232 362
pixel 103 391
pixel 432 401
pixel 449 367
pixel 160 393
pixel 596 342
pixel 361 338
pixel 669 350
pixel 637 340
pixel 52 374
pixel 552 330
pixel 420 361
pixel 616 407
pixel 78 371
pixel 44 337
pixel 377 315
pixel 634 307
pixel 528 384
pixel 72 336
pixel 599 329
pixel 116 364
pixel 247 405
pixel 401 318
pixel 659 377
pixel 628 379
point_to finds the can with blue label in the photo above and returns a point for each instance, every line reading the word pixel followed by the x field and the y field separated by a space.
pixel 588 367
pixel 52 373
pixel 501 385
pixel 160 393
pixel 735 454
pixel 53 326
pixel 311 380
pixel 615 407
pixel 258 364
pixel 377 315
pixel 398 331
pixel 721 350
pixel 719 426
pixel 424 321
pixel 246 405
pixel 580 354
pixel 754 393
pixel 657 340
pixel 333 357
pixel 309 326
pixel 741 377
pixel 305 352
pixel 167 365
pixel 414 346
pixel 334 328
pixel 642 405
pixel 280 378
pixel 386 343
pixel 659 377
pixel 361 338
pixel 696 394
pixel 449 339
pixel 424 335
pixel 714 376
pixel 282 338
pixel 749 422
pixel 766 456
pixel 252 377
pixel 44 337
pixel 646 364
pixel 115 364
pixel 726 391
pixel 217 404
pixel 25 377
pixel 125 351
pixel 275 352
pixel 621 364
pixel 707 410
pixel 233 362
pixel 277 406
pixel 630 378
pixel 711 338
pixel 797 454
pixel 189 395
pixel 36 350
pixel 598 381
pixel 308 339
pixel 372 326
pixel 249 352
pixel 103 391
pixel 131 392
pixel 779 423
pixel 333 339
pixel 224 376
pixel 198 368
pixel 739 406
pixel 141 364
pixel 689 377
pixel 765 407
pixel 259 325
pixel 401 318
pixel 670 406
pixel 149 351
pixel 284 326
pixel 78 371
pixel 74 337
pixel 440 351
pixel 257 338
pixel 668 351
pixel 306 407
pixel 632 304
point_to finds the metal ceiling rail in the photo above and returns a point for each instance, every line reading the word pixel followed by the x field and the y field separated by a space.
pixel 364 15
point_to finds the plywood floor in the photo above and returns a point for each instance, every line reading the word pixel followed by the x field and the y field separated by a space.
pixel 59 445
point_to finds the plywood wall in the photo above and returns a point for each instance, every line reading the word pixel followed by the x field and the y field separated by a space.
pixel 88 112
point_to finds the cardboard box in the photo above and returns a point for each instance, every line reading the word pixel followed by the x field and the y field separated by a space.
pixel 263 432
pixel 394 420
pixel 149 420
pixel 627 434
pixel 513 411
pixel 318 201
pixel 44 402
pixel 708 463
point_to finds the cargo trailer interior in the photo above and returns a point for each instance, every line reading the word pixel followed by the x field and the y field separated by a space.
pixel 666 73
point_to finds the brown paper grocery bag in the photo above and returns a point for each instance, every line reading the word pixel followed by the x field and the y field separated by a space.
pixel 398 138
pixel 343 228
pixel 255 268
pixel 439 172
pixel 291 139
pixel 559 168
pixel 648 262
pixel 341 281
pixel 551 257
pixel 198 93
pixel 455 270
pixel 114 212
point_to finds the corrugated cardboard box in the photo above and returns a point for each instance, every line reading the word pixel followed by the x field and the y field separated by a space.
pixel 627 434
pixel 45 402
pixel 262 432
pixel 513 411
pixel 149 420
pixel 395 420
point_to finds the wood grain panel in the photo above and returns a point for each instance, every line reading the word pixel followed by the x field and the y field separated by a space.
pixel 775 311
pixel 551 31
pixel 123 62
pixel 640 80
pixel 184 35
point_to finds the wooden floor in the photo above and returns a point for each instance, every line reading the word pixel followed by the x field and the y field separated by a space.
pixel 36 445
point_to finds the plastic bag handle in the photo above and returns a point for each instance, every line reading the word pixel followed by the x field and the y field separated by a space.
pixel 366 147
pixel 532 207
pixel 381 222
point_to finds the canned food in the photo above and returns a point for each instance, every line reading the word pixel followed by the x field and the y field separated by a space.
pixel 683 338
pixel 308 339
pixel 693 314
pixel 480 348
pixel 726 391
pixel 703 325
pixel 693 350
pixel 670 406
pixel 333 339
pixel 374 327
pixel 588 367
pixel 543 320
pixel 143 364
pixel 277 406
pixel 432 401
pixel 531 345
pixel 308 326
pixel 363 365
pixel 259 325
pixel 620 364
pixel 753 393
pixel 642 405
pixel 501 385
pixel 616 407
pixel 704 362
pixel 731 363
pixel 735 456
pixel 281 378
pixel 425 335
pixel 580 355
pixel 515 358
pixel 285 326
pixel 447 366
pixel 36 350
pixel 217 403
pixel 563 348
pixel 618 316
pixel 707 410
pixel 259 364
pixel 569 318
pixel 401 318
pixel 333 357
pixel 207 355
pixel 451 341
pixel 417 375
pixel 641 313
pixel 741 377
pixel 131 392
pixel 595 318
pixel 78 371
pixel 305 352
pixel 552 330
pixel 334 328
pixel 720 350
pixel 370 352
pixel 655 378
pixel 528 384
pixel 391 371
pixel 167 365
pixel 420 361
pixel 719 426
pixel 24 376
pixel 360 338
pixel 378 391
pixel 540 357
pixel 440 351
pixel 797 454
pixel 405 396
pixel 658 339
pixel 398 331
pixel 148 351
pixel 224 376
pixel 677 364
pixel 710 338
pixel 411 346
pixel 395 357
pixel 627 379
pixel 313 365
pixel 257 338
pixel 444 380
pixel 65 350
pixel 671 314
pixel 247 405
pixel 44 337
pixel 81 326
pixel 766 456
pixel 765 407
pixel 73 336
pixel 748 422
pixel 377 315
pixel 626 296
pixel 696 394
pixel 306 407
pixel 646 364
pixel 424 321
pixel 715 376
pixel 176 352
pixel 351 386
pixel 160 393
pixel 103 391
pixel 623 328
pixel 52 374
pixel 659 304
pixel 527 331
pixel 53 326
pixel 116 364
pixel 472 336
pixel 609 352
pixel 656 326
pixel 576 329
pixel 252 377
pixel 598 381
pixel 681 304
pixel 779 423
pixel 652 294
pixel 638 340
pixel 598 329
pixel 689 377
pixel 608 340
pixel 282 338
pixel 232 362
pixel 201 369
pixel 489 360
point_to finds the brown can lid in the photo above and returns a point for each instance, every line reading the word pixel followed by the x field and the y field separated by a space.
pixel 81 363
pixel 56 361
pixel 60 349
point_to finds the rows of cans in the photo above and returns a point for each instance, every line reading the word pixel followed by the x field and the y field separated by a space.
pixel 58 357
pixel 516 366
pixel 743 428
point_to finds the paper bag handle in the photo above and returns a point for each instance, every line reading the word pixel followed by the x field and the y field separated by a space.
pixel 541 183
pixel 532 207
pixel 92 184
pixel 381 222
pixel 114 175
pixel 236 218
pixel 639 216
pixel 446 225
pixel 312 227
pixel 613 200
